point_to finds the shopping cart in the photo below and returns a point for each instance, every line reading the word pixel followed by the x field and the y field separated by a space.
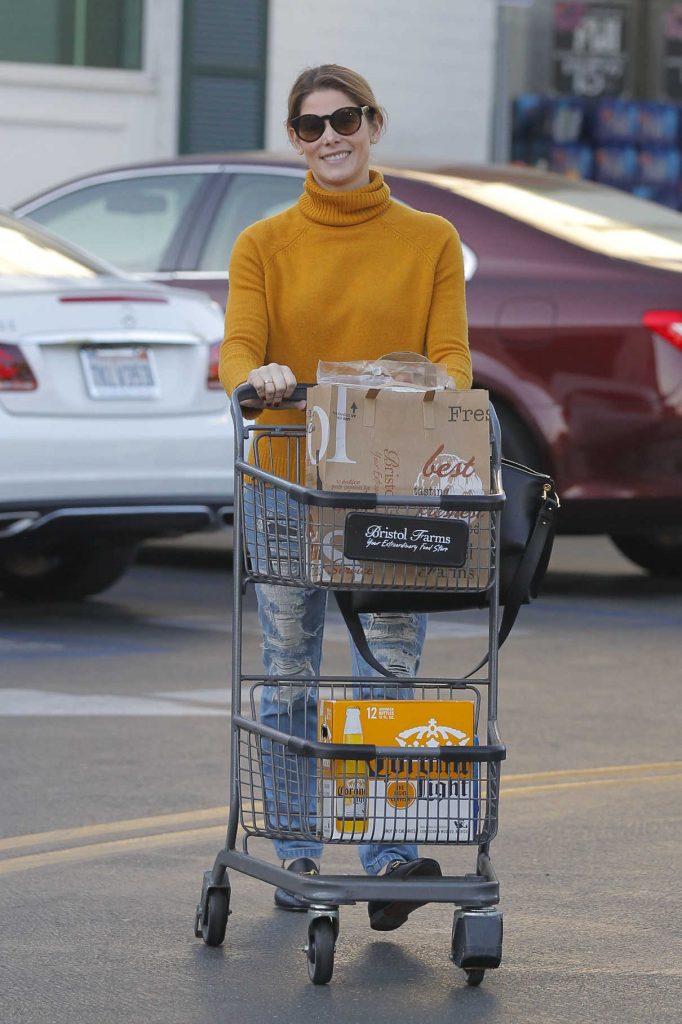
pixel 291 535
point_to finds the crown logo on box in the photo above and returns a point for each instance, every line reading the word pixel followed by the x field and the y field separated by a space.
pixel 433 735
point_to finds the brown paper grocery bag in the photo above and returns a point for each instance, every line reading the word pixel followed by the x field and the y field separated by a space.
pixel 399 442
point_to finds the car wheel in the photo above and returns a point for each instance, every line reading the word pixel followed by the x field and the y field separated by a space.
pixel 659 552
pixel 64 575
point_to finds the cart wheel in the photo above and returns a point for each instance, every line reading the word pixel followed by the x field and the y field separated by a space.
pixel 320 951
pixel 477 942
pixel 215 920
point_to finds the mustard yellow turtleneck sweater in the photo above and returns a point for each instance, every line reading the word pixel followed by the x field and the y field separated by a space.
pixel 344 276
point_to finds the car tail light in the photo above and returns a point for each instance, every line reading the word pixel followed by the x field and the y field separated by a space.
pixel 667 323
pixel 213 379
pixel 15 373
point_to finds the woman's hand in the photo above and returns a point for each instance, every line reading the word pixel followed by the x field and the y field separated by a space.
pixel 273 383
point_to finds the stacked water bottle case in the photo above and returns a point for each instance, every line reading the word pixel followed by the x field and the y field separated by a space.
pixel 634 146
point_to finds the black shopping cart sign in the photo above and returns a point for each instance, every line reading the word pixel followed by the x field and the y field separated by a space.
pixel 386 538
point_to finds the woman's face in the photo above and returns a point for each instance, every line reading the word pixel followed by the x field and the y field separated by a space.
pixel 339 163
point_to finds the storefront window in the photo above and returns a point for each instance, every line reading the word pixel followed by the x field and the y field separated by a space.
pixel 606 104
pixel 590 52
pixel 89 33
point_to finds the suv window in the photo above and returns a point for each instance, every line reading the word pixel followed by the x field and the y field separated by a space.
pixel 603 220
pixel 129 222
pixel 249 197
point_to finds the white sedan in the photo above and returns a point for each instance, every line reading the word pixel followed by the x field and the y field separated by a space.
pixel 113 424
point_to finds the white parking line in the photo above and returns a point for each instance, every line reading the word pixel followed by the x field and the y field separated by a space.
pixel 20 702
pixel 220 696
pixel 10 646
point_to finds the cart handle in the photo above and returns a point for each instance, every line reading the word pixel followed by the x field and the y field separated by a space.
pixel 366 752
pixel 247 393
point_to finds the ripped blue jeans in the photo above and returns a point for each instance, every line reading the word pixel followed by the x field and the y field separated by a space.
pixel 292 622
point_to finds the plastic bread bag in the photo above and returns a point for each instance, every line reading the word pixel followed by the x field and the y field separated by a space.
pixel 408 370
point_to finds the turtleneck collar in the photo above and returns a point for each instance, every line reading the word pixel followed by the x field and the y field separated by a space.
pixel 339 209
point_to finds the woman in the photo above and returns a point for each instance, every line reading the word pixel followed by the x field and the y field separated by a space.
pixel 346 274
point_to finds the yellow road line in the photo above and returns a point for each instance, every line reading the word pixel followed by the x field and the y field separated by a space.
pixel 28 861
pixel 67 835
pixel 92 851
pixel 559 773
pixel 107 828
pixel 507 791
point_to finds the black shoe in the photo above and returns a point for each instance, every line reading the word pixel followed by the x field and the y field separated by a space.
pixel 384 917
pixel 288 900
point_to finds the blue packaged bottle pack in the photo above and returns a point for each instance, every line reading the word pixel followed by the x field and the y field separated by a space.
pixel 568 121
pixel 617 166
pixel 627 144
pixel 530 144
pixel 575 161
pixel 660 124
pixel 616 122
pixel 530 117
pixel 660 167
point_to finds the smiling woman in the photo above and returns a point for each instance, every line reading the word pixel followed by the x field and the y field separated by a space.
pixel 333 119
pixel 347 274
pixel 338 159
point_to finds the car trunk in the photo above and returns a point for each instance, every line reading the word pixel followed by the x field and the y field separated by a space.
pixel 105 355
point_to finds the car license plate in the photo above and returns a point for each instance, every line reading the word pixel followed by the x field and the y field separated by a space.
pixel 120 372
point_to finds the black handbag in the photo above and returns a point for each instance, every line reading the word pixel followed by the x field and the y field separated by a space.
pixel 528 526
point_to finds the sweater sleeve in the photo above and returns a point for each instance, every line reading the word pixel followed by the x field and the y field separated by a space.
pixel 246 317
pixel 446 333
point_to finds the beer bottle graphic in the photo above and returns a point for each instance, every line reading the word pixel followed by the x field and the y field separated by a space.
pixel 352 784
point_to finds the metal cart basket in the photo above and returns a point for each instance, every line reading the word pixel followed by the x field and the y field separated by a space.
pixel 303 787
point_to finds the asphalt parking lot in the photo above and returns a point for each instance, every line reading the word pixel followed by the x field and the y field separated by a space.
pixel 113 724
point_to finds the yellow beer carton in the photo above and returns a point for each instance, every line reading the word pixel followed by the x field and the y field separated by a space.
pixel 391 798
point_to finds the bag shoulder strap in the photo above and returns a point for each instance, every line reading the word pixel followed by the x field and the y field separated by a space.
pixel 519 589
pixel 344 599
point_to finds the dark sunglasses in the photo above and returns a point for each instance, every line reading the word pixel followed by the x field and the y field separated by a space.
pixel 345 121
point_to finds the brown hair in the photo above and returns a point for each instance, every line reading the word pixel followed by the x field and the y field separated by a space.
pixel 334 76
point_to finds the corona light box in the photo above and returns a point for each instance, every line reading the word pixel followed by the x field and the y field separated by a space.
pixel 392 798
pixel 396 441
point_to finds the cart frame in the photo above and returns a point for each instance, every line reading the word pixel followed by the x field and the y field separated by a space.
pixel 477 930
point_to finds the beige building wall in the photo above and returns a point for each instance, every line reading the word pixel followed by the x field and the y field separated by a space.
pixel 431 65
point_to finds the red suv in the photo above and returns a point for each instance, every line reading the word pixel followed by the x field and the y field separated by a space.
pixel 574 295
